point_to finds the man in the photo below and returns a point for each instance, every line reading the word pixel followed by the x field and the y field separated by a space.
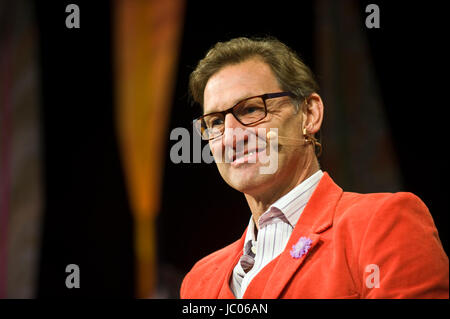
pixel 306 237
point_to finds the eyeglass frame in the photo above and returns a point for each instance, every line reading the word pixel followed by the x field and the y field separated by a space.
pixel 264 97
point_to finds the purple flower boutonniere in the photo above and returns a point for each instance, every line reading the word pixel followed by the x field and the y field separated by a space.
pixel 301 247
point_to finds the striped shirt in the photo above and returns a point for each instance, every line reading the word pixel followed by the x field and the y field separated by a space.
pixel 275 228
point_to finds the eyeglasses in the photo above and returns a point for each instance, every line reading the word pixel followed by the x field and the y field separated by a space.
pixel 248 111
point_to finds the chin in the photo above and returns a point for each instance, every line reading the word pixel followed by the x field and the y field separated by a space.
pixel 244 179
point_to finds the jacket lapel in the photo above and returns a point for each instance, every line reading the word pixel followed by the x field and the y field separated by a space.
pixel 227 269
pixel 286 267
pixel 316 218
pixel 225 291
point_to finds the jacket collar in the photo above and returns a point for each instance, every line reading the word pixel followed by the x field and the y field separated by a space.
pixel 319 212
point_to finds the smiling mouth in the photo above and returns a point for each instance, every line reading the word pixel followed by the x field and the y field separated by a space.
pixel 246 157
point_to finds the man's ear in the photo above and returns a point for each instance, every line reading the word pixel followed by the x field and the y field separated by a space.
pixel 313 113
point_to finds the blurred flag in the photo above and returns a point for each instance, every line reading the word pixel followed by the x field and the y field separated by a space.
pixel 358 150
pixel 21 182
pixel 147 35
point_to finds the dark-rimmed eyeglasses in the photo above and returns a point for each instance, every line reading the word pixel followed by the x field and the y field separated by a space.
pixel 247 112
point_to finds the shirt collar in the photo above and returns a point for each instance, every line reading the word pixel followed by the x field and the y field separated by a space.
pixel 291 204
pixel 250 236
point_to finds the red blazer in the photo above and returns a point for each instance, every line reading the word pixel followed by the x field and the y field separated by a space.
pixel 349 233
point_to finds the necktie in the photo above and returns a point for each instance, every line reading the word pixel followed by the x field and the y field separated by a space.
pixel 248 259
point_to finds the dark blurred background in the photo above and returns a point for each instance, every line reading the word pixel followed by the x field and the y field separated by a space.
pixel 384 129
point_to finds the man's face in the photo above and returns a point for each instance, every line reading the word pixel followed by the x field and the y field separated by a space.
pixel 224 89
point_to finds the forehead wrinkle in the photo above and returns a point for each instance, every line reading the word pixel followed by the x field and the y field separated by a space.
pixel 248 88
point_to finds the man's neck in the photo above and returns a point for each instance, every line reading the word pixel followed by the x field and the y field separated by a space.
pixel 261 202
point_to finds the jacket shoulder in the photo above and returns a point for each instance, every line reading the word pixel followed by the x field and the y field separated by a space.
pixel 396 233
pixel 211 265
pixel 216 258
pixel 362 207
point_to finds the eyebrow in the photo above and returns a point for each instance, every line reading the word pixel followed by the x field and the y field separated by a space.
pixel 236 101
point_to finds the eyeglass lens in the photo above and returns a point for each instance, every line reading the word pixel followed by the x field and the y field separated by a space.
pixel 247 112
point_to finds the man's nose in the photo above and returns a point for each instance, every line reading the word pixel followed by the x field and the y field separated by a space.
pixel 234 132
